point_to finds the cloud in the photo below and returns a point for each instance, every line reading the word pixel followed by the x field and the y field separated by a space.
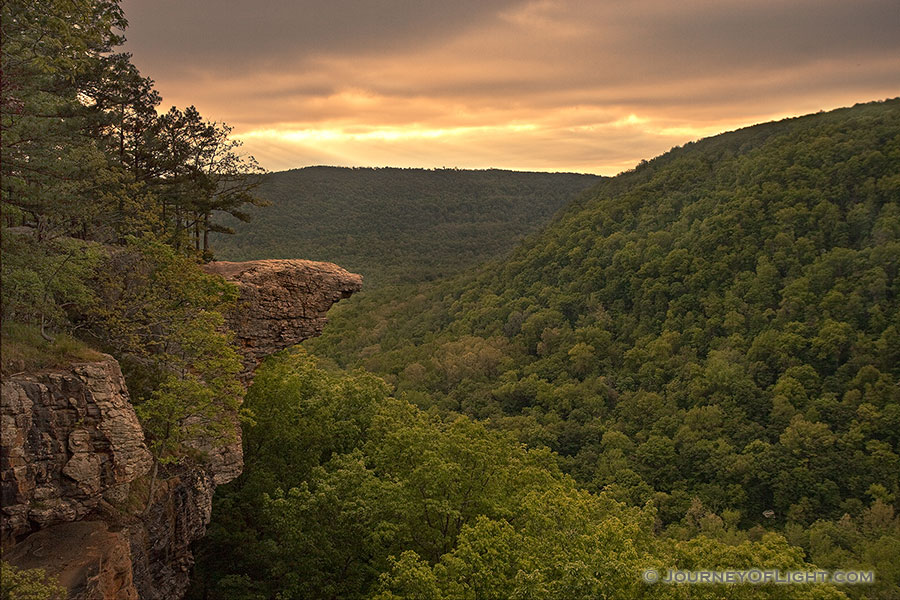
pixel 545 84
pixel 236 35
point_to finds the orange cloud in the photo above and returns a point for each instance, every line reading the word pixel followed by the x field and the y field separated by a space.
pixel 542 84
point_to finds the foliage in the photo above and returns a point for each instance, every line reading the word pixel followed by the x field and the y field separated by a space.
pixel 719 324
pixel 106 209
pixel 41 280
pixel 51 169
pixel 28 584
pixel 397 225
pixel 145 303
pixel 25 350
pixel 201 173
pixel 84 152
pixel 162 316
pixel 349 493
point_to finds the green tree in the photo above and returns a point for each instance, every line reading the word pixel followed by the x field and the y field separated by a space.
pixel 51 169
pixel 201 172
pixel 28 584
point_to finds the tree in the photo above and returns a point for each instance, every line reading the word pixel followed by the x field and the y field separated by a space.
pixel 201 172
pixel 51 168
pixel 28 584
pixel 162 316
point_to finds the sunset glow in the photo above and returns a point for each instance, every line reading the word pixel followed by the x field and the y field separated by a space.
pixel 554 85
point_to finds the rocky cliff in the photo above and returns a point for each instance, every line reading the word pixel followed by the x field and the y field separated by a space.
pixel 71 443
pixel 282 302
pixel 74 466
pixel 69 437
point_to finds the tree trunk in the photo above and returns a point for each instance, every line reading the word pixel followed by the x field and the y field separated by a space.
pixel 153 474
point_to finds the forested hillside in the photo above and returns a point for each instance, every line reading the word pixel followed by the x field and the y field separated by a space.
pixel 397 225
pixel 350 493
pixel 719 326
pixel 696 363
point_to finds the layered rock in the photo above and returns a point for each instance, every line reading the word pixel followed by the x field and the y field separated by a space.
pixel 282 302
pixel 69 436
pixel 74 466
pixel 160 541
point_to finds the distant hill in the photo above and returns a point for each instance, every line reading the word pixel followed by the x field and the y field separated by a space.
pixel 712 338
pixel 721 323
pixel 397 225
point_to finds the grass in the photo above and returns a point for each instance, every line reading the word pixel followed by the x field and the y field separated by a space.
pixel 23 349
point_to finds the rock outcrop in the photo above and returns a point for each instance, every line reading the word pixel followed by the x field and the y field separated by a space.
pixel 74 465
pixel 282 302
pixel 69 436
pixel 161 538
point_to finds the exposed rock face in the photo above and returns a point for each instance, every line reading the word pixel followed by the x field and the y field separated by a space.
pixel 68 436
pixel 224 459
pixel 282 302
pixel 90 561
pixel 74 463
pixel 161 540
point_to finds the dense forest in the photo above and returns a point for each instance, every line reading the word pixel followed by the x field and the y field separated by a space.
pixel 396 225
pixel 696 363
pixel 348 492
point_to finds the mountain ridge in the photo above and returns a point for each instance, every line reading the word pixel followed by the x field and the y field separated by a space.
pixel 397 225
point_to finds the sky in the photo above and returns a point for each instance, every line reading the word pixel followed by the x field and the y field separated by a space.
pixel 546 85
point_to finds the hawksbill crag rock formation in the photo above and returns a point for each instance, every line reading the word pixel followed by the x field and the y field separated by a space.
pixel 73 457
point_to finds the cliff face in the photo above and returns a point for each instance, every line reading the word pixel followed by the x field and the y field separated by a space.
pixel 71 444
pixel 89 560
pixel 73 462
pixel 160 539
pixel 70 437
